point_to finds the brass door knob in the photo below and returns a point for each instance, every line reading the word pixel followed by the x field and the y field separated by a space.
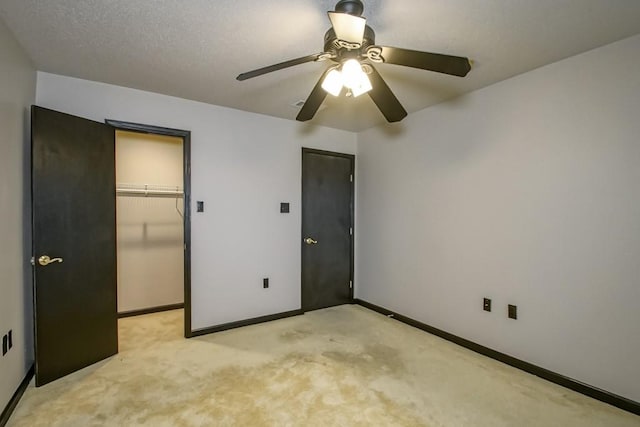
pixel 310 241
pixel 45 260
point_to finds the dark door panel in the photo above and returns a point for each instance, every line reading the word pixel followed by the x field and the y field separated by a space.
pixel 327 220
pixel 73 193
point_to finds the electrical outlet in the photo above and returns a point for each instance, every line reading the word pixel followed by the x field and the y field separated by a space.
pixel 10 338
pixel 199 206
pixel 5 344
pixel 486 305
pixel 513 311
pixel 265 282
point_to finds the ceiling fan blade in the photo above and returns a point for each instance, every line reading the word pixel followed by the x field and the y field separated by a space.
pixel 280 66
pixel 447 64
pixel 386 101
pixel 348 28
pixel 315 99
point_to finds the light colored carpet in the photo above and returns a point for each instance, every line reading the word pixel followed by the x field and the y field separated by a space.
pixel 343 366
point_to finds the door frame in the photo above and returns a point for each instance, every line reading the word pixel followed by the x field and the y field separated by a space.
pixel 352 160
pixel 186 169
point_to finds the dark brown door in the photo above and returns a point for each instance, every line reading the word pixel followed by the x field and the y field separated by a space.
pixel 327 229
pixel 74 243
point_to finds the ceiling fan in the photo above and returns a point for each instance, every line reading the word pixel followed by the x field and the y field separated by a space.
pixel 350 47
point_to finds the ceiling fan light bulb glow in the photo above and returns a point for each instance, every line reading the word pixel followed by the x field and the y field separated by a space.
pixel 351 71
pixel 354 78
pixel 333 82
pixel 363 86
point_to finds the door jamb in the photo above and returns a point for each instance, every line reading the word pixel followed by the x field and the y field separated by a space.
pixel 186 167
pixel 352 159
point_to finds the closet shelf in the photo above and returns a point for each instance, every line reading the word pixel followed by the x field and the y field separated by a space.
pixel 148 190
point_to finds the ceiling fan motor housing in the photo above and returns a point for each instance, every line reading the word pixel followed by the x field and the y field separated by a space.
pixel 331 43
pixel 352 7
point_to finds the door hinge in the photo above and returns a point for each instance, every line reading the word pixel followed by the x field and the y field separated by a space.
pixel 351 231
pixel 350 284
pixel 350 178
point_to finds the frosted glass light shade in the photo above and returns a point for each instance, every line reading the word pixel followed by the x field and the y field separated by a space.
pixel 354 78
pixel 363 86
pixel 333 82
pixel 351 70
pixel 351 77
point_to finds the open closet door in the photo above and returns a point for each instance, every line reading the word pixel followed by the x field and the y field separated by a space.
pixel 74 243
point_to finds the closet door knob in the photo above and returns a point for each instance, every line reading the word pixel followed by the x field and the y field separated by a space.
pixel 310 241
pixel 45 260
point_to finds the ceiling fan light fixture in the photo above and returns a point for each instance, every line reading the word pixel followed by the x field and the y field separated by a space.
pixel 333 82
pixel 354 77
pixel 363 86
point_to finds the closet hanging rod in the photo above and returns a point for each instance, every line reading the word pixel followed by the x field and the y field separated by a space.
pixel 146 190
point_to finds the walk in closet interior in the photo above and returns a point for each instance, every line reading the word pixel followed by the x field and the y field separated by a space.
pixel 150 228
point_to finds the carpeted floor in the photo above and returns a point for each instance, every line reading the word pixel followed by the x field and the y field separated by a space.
pixel 343 366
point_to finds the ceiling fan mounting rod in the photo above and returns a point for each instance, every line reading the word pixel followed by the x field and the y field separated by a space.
pixel 352 7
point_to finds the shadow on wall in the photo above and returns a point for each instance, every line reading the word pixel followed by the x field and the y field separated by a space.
pixel 150 234
pixel 393 129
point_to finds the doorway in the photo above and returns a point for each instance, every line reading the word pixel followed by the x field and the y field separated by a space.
pixel 149 222
pixel 153 189
pixel 327 228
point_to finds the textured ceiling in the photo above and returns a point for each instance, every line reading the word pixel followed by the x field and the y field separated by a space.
pixel 194 49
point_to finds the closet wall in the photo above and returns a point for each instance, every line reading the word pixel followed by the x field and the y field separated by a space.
pixel 150 229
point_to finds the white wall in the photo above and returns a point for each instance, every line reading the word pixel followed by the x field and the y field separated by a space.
pixel 526 192
pixel 150 230
pixel 243 166
pixel 17 93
